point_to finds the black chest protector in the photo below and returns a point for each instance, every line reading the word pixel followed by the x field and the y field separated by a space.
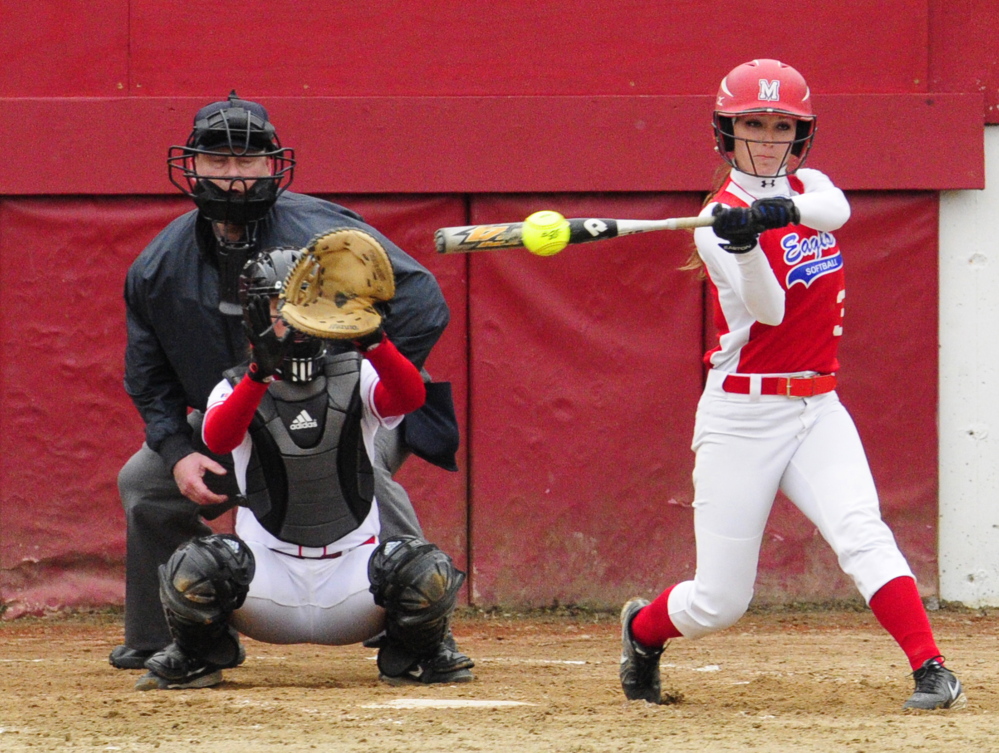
pixel 309 480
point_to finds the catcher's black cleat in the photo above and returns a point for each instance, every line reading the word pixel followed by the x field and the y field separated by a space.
pixel 123 657
pixel 936 688
pixel 639 669
pixel 174 669
pixel 447 666
pixel 204 676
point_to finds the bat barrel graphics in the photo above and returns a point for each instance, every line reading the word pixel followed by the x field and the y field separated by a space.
pixel 460 240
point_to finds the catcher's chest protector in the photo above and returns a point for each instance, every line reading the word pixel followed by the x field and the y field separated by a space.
pixel 309 480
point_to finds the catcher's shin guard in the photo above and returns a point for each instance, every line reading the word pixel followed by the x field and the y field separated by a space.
pixel 201 584
pixel 417 584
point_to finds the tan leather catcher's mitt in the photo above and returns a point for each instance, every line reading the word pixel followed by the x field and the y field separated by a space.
pixel 331 290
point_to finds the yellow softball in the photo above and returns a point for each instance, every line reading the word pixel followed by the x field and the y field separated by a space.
pixel 545 233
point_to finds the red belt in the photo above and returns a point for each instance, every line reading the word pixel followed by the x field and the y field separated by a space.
pixel 330 556
pixel 787 386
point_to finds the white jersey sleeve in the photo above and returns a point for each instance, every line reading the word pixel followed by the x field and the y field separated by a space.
pixel 748 277
pixel 823 206
pixel 218 395
pixel 370 420
pixel 369 380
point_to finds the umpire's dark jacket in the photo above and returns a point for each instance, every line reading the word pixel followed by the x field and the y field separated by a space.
pixel 179 343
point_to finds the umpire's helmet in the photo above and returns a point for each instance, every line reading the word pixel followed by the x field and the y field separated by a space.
pixel 240 128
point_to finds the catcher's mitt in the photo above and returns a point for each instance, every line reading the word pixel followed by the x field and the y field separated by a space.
pixel 331 290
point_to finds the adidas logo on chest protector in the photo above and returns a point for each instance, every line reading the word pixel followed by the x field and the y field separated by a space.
pixel 303 421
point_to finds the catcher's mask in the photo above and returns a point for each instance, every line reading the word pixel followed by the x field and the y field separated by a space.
pixel 264 275
pixel 768 87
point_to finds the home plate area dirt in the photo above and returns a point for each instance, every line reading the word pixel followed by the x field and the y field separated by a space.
pixel 780 680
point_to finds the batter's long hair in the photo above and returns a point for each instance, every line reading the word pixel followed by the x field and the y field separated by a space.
pixel 694 262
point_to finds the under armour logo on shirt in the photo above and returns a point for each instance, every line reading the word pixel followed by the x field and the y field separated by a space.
pixel 768 183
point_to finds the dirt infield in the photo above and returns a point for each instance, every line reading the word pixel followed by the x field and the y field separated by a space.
pixel 777 681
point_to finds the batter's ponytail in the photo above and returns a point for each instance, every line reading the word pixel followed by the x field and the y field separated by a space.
pixel 694 262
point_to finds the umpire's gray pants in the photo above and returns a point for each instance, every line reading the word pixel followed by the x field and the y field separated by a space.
pixel 159 519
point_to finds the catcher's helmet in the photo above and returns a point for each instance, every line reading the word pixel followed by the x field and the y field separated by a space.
pixel 240 128
pixel 266 272
pixel 264 275
pixel 770 87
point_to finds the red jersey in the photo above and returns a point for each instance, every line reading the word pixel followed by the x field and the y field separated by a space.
pixel 808 268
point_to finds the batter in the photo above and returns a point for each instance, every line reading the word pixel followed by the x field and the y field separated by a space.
pixel 769 418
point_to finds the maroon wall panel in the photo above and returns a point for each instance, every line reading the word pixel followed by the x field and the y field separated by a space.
pixel 888 382
pixel 64 48
pixel 439 496
pixel 491 144
pixel 964 56
pixel 584 377
pixel 580 434
pixel 577 430
pixel 889 359
pixel 67 425
pixel 61 48
pixel 508 47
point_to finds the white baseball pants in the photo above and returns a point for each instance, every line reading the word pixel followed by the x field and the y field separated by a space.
pixel 747 447
pixel 323 601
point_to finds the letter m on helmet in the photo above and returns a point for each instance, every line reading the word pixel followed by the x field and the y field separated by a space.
pixel 769 90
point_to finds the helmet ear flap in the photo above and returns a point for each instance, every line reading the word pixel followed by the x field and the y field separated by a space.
pixel 802 137
pixel 725 128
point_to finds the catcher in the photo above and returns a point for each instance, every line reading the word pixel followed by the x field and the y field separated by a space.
pixel 300 417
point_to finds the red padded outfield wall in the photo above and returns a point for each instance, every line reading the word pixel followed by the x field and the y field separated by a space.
pixel 575 376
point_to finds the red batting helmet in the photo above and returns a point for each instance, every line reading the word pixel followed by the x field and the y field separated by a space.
pixel 765 86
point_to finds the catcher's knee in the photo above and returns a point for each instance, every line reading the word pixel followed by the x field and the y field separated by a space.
pixel 417 584
pixel 201 585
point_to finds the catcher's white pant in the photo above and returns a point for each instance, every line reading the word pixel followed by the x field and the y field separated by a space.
pixel 324 601
pixel 747 447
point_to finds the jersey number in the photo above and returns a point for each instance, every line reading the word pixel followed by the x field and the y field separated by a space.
pixel 838 328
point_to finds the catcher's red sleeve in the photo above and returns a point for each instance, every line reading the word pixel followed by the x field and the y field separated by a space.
pixel 400 388
pixel 226 423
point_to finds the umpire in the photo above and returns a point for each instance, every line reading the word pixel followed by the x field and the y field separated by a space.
pixel 185 329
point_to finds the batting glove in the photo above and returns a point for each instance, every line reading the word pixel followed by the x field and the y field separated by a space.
pixel 738 226
pixel 774 213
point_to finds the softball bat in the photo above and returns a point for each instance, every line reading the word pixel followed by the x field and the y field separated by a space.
pixel 462 240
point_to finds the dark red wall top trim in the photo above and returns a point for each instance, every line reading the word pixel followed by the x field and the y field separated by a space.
pixel 490 144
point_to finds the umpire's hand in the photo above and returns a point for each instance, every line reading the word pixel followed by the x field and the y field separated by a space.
pixel 189 474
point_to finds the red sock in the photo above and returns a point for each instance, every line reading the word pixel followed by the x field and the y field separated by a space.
pixel 900 611
pixel 652 626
